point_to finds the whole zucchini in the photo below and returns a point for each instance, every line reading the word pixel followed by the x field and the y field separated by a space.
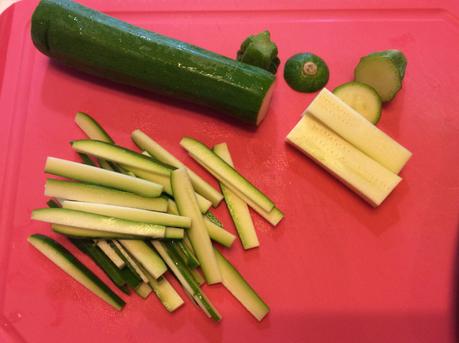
pixel 110 48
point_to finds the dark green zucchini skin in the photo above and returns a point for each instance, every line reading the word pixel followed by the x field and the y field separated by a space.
pixel 101 45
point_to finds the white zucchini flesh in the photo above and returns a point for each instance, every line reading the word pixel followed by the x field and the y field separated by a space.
pixel 102 177
pixel 153 148
pixel 362 98
pixel 352 127
pixel 166 293
pixel 359 172
pixel 143 290
pixel 198 234
pixel 145 256
pixel 237 208
pixel 91 193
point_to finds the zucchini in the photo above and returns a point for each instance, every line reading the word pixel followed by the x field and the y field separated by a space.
pixel 143 290
pixel 134 266
pixel 186 279
pixel 216 232
pixel 92 193
pixel 188 257
pixel 110 253
pixel 203 188
pixel 240 289
pixel 260 51
pixel 237 208
pixel 86 159
pixel 198 278
pixel 53 203
pixel 219 234
pixel 73 267
pixel 180 260
pixel 165 181
pixel 145 256
pixel 118 154
pixel 199 237
pixel 356 170
pixel 92 128
pixel 101 177
pixel 306 72
pixel 88 247
pixel 384 71
pixel 77 232
pixel 132 279
pixel 362 98
pixel 174 233
pixel 273 217
pixel 100 45
pixel 95 131
pixel 224 172
pixel 165 293
pixel 129 213
pixel 129 274
pixel 350 125
pixel 92 221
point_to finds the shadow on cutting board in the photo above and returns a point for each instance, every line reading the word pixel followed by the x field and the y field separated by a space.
pixel 336 191
pixel 60 75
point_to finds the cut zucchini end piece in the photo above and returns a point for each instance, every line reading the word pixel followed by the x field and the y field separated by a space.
pixel 362 98
pixel 380 73
pixel 306 72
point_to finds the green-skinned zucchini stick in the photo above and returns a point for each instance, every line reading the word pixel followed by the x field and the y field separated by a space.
pixel 237 207
pixel 186 280
pixel 144 142
pixel 97 222
pixel 241 290
pixel 90 248
pixel 73 267
pixel 91 193
pixel 101 177
pixel 187 206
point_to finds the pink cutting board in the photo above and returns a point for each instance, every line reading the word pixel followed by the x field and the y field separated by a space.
pixel 335 270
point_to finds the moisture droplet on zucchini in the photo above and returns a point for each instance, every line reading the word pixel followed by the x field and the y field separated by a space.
pixel 384 71
pixel 362 98
pixel 306 72
pixel 260 51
